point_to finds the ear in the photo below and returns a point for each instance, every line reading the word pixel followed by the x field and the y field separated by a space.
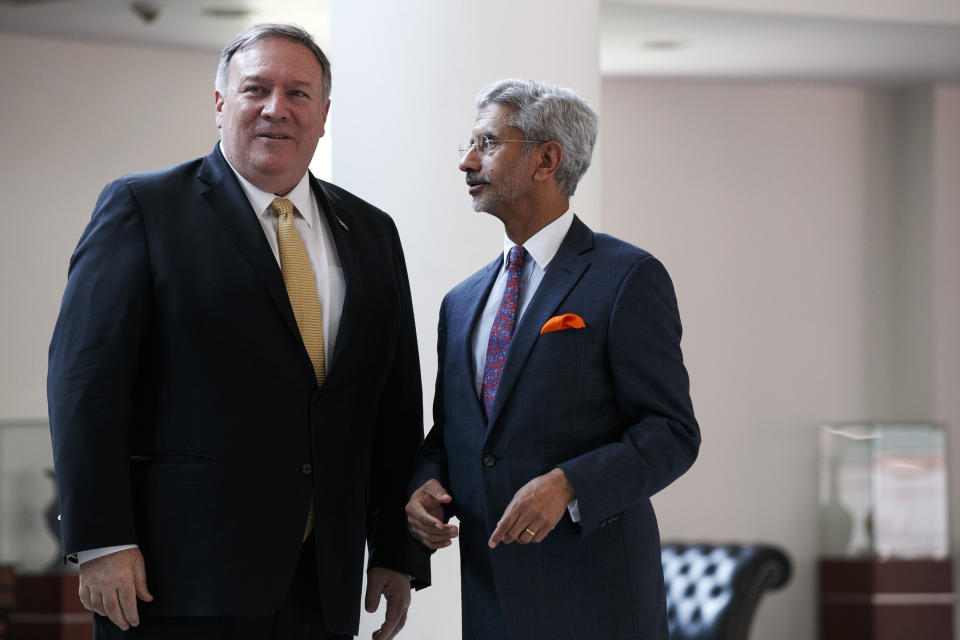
pixel 218 102
pixel 323 117
pixel 548 158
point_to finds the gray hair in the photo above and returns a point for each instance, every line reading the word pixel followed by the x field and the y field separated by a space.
pixel 258 32
pixel 545 112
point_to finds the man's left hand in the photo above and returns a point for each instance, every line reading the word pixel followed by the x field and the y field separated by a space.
pixel 395 587
pixel 535 510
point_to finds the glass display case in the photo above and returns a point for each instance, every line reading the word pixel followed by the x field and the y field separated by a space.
pixel 29 531
pixel 884 532
pixel 38 591
pixel 883 491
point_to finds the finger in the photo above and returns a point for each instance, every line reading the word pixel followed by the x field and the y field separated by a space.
pixel 435 490
pixel 112 606
pixel 425 521
pixel 428 511
pixel 85 597
pixel 436 545
pixel 374 589
pixel 140 582
pixel 541 534
pixel 427 539
pixel 433 542
pixel 523 536
pixel 417 513
pixel 128 604
pixel 379 634
pixel 513 532
pixel 96 603
pixel 503 527
pixel 435 535
pixel 526 534
pixel 395 611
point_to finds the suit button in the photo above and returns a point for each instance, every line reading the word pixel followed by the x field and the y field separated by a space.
pixel 489 460
pixel 306 468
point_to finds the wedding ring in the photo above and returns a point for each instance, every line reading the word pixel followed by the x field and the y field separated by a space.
pixel 533 534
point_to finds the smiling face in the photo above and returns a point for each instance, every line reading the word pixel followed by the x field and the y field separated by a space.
pixel 272 113
pixel 499 179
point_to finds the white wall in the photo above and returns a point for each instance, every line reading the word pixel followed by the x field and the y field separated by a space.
pixel 945 223
pixel 796 222
pixel 73 116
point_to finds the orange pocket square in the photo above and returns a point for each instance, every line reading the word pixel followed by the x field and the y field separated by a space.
pixel 560 323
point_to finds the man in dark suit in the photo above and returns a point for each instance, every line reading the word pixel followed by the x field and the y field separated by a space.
pixel 562 402
pixel 234 388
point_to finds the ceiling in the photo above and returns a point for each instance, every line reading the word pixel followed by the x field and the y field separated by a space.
pixel 670 42
pixel 195 24
pixel 643 39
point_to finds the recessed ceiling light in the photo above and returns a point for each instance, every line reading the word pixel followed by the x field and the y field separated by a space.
pixel 229 12
pixel 662 45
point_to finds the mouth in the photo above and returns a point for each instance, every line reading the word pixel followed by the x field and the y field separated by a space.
pixel 275 136
pixel 474 186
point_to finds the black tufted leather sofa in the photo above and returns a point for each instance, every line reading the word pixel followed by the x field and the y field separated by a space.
pixel 713 589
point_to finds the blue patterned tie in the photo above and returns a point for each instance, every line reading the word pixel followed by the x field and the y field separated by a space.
pixel 502 331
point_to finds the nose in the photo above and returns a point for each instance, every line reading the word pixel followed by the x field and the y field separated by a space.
pixel 470 160
pixel 274 106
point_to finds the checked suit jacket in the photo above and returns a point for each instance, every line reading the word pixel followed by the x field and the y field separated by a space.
pixel 609 404
pixel 185 414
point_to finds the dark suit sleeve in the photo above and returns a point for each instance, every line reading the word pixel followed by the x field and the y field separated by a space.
pixel 652 393
pixel 93 362
pixel 399 434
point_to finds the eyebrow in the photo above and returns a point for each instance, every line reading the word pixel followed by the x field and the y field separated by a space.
pixel 259 78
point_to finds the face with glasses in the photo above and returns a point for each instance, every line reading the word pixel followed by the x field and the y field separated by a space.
pixel 498 165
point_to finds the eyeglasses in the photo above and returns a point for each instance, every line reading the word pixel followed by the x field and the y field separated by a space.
pixel 487 145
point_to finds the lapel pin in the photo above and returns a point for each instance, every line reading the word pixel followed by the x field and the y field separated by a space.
pixel 342 223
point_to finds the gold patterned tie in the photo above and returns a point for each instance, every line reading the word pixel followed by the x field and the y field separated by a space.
pixel 298 277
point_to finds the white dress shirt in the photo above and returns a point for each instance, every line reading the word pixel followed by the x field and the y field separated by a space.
pixel 540 251
pixel 541 248
pixel 318 242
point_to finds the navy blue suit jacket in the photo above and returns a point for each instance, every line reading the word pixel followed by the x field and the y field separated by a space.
pixel 609 404
pixel 184 411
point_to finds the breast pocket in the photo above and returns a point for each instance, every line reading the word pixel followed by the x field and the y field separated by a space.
pixel 566 353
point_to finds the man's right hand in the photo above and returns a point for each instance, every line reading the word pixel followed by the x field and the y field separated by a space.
pixel 425 515
pixel 111 584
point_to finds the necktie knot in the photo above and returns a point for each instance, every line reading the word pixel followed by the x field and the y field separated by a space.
pixel 515 258
pixel 282 206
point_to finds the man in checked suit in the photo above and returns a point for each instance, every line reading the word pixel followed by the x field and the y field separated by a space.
pixel 234 388
pixel 562 402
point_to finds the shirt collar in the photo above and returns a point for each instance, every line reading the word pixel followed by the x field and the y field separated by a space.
pixel 544 244
pixel 260 200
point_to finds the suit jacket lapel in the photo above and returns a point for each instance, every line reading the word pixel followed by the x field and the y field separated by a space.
pixel 562 274
pixel 340 223
pixel 464 317
pixel 227 200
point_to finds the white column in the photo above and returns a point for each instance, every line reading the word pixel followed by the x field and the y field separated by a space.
pixel 405 78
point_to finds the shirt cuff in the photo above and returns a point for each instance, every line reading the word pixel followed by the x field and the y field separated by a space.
pixel 574 509
pixel 93 554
